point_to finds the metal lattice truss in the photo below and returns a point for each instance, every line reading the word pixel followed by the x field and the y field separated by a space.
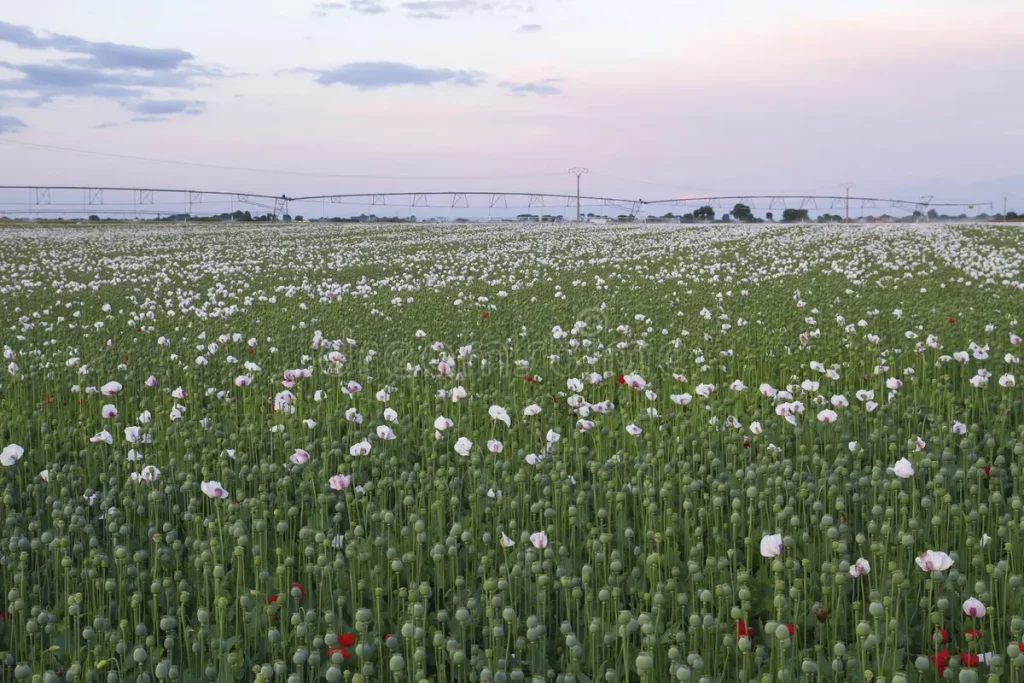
pixel 162 201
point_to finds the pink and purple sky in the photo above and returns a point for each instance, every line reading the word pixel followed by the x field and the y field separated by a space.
pixel 659 98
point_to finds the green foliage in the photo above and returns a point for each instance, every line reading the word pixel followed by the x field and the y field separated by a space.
pixel 795 216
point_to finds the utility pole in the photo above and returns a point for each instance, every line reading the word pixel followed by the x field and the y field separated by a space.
pixel 847 187
pixel 577 171
pixel 1005 195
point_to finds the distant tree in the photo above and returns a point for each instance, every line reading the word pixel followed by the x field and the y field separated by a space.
pixel 94 217
pixel 770 216
pixel 704 213
pixel 1012 216
pixel 794 215
pixel 742 212
pixel 726 218
pixel 687 217
pixel 917 215
pixel 932 214
pixel 669 215
pixel 299 219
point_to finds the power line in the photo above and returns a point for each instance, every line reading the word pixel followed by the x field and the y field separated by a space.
pixel 282 172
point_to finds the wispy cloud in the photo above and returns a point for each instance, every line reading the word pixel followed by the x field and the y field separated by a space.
pixel 101 55
pixel 165 107
pixel 544 87
pixel 128 74
pixel 11 124
pixel 530 28
pixel 423 9
pixel 375 75
pixel 322 9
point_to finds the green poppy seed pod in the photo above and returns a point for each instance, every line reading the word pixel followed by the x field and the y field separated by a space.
pixel 743 644
pixel 782 632
pixel 139 655
pixel 396 664
pixel 274 636
pixel 876 609
pixel 967 676
pixel 942 604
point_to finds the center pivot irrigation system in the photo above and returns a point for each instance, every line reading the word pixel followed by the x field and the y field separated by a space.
pixel 43 200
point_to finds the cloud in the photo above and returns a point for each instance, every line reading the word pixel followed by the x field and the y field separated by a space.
pixel 165 107
pixel 11 124
pixel 423 9
pixel 368 7
pixel 530 28
pixel 544 87
pixel 106 124
pixel 374 75
pixel 129 74
pixel 148 119
pixel 101 55
pixel 321 9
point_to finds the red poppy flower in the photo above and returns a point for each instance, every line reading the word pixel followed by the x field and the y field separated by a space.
pixel 529 379
pixel 973 633
pixel 48 399
pixel 79 401
pixel 988 471
pixel 302 589
pixel 952 321
pixel 251 351
pixel 272 599
pixel 344 653
pixel 746 442
pixel 792 629
pixel 485 314
pixel 944 635
pixel 3 617
pixel 743 630
pixel 348 639
pixel 621 379
pixel 554 399
pixel 941 661
pixel 140 329
pixel 1020 647
pixel 970 659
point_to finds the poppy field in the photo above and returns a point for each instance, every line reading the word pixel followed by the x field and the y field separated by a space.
pixel 505 453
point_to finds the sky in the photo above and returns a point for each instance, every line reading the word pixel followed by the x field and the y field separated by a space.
pixel 657 98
